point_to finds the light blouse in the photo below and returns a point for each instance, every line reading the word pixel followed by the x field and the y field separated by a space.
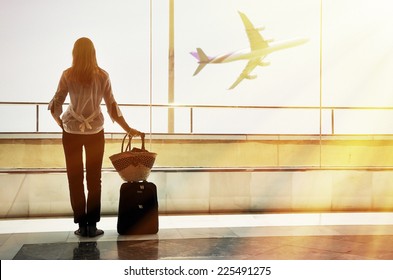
pixel 83 115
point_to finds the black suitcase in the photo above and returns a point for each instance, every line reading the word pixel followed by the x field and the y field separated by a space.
pixel 138 208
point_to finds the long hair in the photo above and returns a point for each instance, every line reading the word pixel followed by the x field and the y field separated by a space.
pixel 84 61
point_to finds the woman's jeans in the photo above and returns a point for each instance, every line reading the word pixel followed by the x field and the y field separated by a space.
pixel 85 211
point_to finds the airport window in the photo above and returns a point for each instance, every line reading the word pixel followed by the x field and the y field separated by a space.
pixel 327 70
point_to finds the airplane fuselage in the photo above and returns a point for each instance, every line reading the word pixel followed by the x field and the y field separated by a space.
pixel 247 54
pixel 259 49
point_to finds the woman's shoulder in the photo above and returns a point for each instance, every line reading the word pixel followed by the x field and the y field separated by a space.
pixel 67 71
pixel 102 73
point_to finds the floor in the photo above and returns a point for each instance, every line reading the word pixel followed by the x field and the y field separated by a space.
pixel 313 236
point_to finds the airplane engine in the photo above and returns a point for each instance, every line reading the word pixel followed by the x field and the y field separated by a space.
pixel 251 77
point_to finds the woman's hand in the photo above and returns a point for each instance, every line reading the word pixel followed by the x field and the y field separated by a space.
pixel 133 132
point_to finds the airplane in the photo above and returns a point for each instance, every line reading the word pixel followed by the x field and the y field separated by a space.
pixel 259 49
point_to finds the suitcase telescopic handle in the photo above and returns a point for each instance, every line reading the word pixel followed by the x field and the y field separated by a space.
pixel 128 146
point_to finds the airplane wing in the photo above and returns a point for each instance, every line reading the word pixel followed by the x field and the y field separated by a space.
pixel 256 42
pixel 255 38
pixel 252 63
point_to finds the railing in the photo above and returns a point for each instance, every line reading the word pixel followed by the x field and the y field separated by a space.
pixel 26 117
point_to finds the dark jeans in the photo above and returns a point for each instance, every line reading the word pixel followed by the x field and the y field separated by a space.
pixel 85 211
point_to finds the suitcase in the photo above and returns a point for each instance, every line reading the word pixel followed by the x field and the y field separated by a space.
pixel 138 208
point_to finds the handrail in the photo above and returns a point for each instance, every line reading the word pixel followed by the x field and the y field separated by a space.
pixel 192 107
pixel 219 106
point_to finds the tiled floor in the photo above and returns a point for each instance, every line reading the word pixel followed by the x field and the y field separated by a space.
pixel 324 236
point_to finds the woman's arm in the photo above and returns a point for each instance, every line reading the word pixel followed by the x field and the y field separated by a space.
pixel 122 122
pixel 117 117
pixel 114 110
pixel 56 104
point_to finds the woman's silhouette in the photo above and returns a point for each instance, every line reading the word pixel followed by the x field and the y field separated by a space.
pixel 82 124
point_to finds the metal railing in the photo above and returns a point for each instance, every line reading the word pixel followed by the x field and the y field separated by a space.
pixel 330 111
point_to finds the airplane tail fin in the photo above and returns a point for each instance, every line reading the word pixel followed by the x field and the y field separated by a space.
pixel 203 59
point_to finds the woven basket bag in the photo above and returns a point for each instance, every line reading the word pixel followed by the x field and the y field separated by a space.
pixel 133 165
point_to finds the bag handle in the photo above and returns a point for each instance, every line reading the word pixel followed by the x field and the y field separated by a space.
pixel 128 146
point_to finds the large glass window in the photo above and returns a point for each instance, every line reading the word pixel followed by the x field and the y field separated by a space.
pixel 357 60
pixel 337 82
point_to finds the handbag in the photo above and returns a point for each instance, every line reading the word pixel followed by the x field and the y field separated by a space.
pixel 133 164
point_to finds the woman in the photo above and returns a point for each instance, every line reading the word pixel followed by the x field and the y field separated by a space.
pixel 82 124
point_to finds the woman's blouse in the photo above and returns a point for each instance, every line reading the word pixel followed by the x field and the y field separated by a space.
pixel 83 115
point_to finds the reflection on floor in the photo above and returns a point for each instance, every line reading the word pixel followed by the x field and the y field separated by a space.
pixel 352 236
pixel 240 248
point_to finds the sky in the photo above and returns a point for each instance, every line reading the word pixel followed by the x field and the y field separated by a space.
pixel 352 66
pixel 292 78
